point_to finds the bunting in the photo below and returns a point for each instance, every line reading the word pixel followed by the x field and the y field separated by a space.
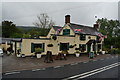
pixel 79 30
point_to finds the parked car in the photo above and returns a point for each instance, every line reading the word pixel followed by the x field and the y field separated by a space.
pixel 1 52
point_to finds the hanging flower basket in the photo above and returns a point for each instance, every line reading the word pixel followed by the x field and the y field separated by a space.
pixel 71 46
pixel 50 45
pixel 77 48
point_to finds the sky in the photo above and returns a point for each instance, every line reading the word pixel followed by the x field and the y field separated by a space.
pixel 25 13
pixel 119 10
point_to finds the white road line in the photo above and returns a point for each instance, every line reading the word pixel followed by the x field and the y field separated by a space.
pixel 74 64
pixel 42 68
pixel 85 62
pixel 16 70
pixel 97 72
pixel 57 66
pixel 107 57
pixel 36 69
pixel 94 60
pixel 90 72
pixel 101 59
pixel 12 73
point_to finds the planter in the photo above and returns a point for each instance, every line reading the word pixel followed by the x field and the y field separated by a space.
pixel 77 54
pixel 18 55
pixel 64 54
pixel 97 53
pixel 23 55
pixel 38 55
pixel 50 45
pixel 103 52
pixel 91 55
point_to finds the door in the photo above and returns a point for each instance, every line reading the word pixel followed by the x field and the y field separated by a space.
pixel 88 48
pixel 64 46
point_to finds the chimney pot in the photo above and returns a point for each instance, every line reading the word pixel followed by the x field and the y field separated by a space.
pixel 96 26
pixel 67 19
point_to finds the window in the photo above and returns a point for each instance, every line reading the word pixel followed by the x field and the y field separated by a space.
pixel 36 45
pixel 64 46
pixel 66 32
pixel 82 37
pixel 82 47
pixel 97 37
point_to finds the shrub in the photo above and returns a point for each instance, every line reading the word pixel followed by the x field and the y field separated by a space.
pixel 65 52
pixel 38 50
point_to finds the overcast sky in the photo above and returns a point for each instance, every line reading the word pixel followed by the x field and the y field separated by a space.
pixel 24 13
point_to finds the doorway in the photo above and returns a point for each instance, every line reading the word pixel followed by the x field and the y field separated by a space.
pixel 88 48
pixel 64 46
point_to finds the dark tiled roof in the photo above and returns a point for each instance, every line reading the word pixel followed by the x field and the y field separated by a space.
pixel 57 27
pixel 85 29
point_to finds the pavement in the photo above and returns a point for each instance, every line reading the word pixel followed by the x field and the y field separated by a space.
pixel 104 68
pixel 13 63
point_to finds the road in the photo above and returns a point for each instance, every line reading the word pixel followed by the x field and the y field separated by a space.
pixel 101 68
pixel 0 67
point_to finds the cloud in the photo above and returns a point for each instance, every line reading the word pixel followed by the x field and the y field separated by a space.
pixel 24 13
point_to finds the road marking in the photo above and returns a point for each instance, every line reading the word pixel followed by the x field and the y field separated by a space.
pixel 85 62
pixel 16 70
pixel 101 59
pixel 12 73
pixel 107 57
pixel 96 72
pixel 94 60
pixel 86 74
pixel 38 69
pixel 57 66
pixel 74 64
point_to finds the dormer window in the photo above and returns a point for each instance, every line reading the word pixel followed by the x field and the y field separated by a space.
pixel 66 32
pixel 82 37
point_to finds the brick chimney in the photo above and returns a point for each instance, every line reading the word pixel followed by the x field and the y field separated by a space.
pixel 67 19
pixel 96 26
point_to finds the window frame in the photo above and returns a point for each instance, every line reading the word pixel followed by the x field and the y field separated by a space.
pixel 82 37
pixel 82 47
pixel 33 46
pixel 65 32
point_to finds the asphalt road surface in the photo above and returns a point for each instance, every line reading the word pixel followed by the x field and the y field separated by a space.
pixel 101 68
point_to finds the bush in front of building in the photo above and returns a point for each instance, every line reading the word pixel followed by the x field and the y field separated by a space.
pixel 115 51
pixel 38 50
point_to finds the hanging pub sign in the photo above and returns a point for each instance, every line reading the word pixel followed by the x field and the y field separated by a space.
pixel 101 36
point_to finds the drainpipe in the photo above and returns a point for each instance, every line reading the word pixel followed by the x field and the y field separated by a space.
pixel 6 45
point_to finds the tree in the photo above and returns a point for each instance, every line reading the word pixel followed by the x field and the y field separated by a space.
pixel 44 21
pixel 111 28
pixel 10 30
pixel 26 36
pixel 16 35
